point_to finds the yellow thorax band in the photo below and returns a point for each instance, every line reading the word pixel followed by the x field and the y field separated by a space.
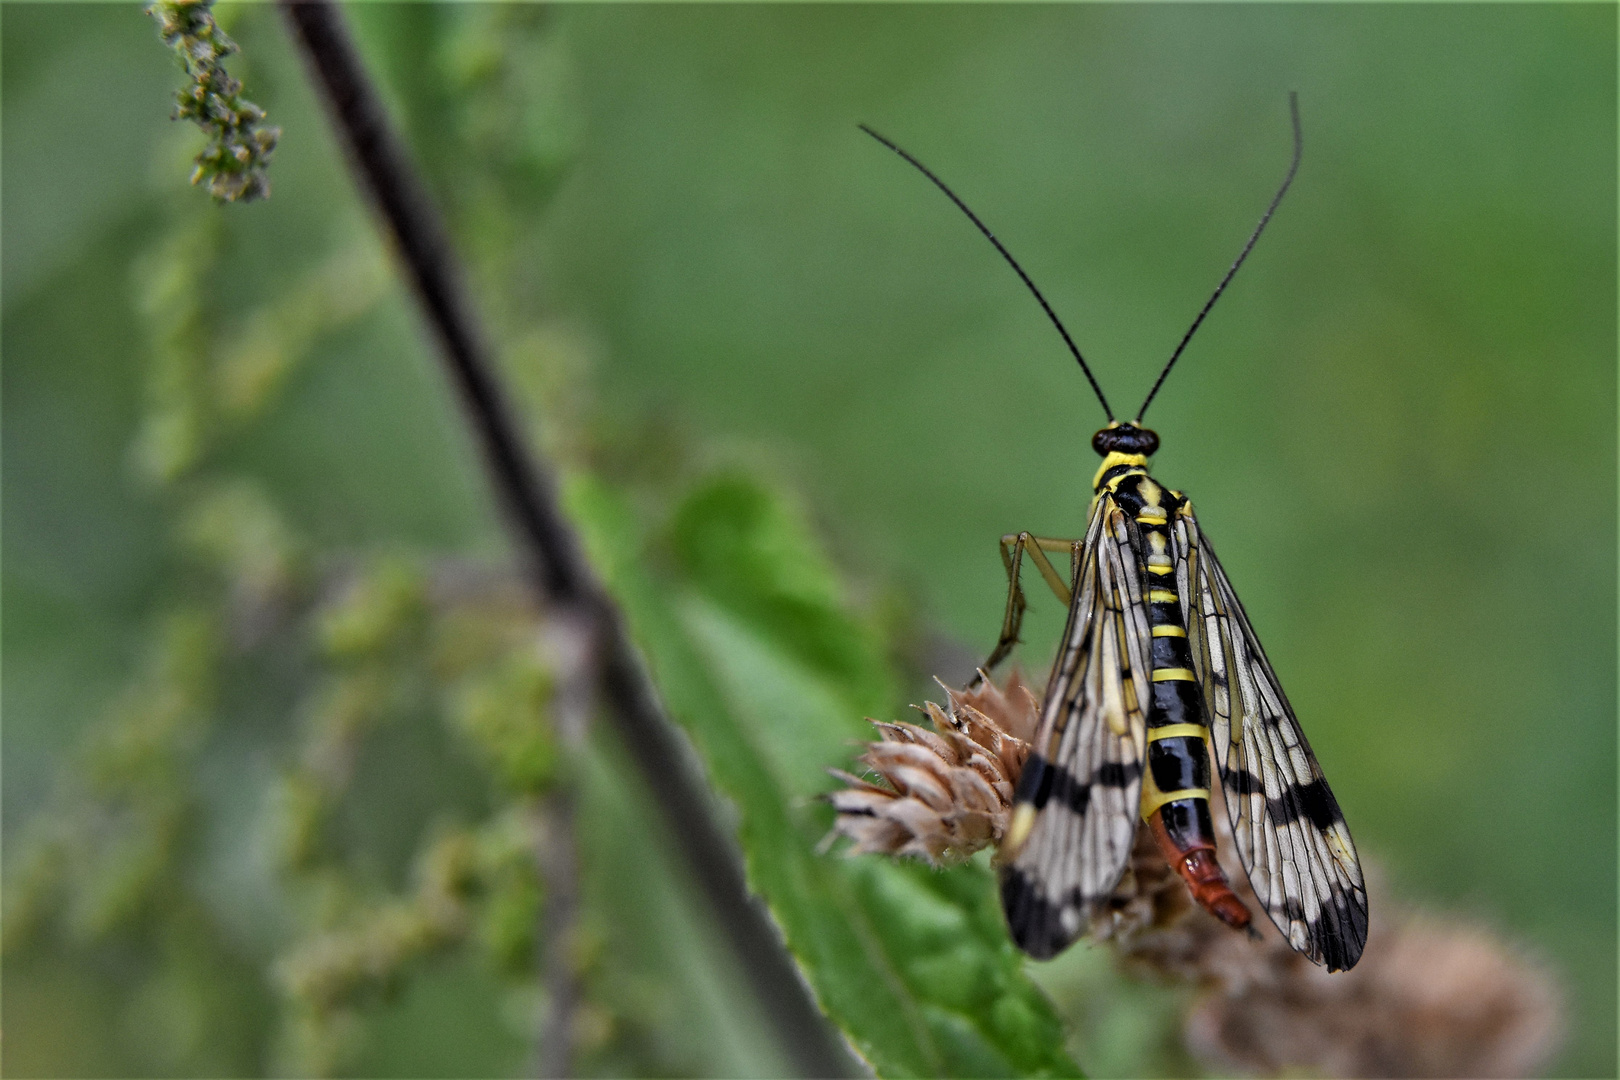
pixel 1116 458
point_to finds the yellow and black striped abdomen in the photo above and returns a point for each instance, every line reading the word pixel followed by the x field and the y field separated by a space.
pixel 1177 755
pixel 1176 781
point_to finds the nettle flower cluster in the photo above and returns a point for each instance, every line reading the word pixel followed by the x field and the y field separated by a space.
pixel 234 164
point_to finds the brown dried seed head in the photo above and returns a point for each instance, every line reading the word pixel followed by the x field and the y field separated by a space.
pixel 945 793
pixel 1427 998
pixel 1012 708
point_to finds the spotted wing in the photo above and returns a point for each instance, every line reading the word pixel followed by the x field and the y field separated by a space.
pixel 1075 811
pixel 1288 829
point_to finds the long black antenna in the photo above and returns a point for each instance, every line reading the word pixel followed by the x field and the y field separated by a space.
pixel 1005 254
pixel 1293 167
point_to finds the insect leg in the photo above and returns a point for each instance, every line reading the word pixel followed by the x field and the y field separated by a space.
pixel 1013 547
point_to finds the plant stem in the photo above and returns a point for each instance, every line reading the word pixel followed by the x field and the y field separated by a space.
pixel 549 548
pixel 558 858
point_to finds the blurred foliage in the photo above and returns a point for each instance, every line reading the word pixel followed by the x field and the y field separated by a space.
pixel 278 743
pixel 915 965
pixel 352 645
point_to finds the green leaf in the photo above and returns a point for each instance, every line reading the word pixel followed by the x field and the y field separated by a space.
pixel 748 549
pixel 758 661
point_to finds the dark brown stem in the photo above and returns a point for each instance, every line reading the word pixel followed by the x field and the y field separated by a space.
pixel 547 544
pixel 558 859
pixel 571 652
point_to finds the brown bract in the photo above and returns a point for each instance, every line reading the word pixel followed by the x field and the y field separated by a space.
pixel 941 793
pixel 1429 997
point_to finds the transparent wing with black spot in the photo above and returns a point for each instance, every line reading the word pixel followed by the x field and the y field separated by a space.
pixel 1081 787
pixel 1288 829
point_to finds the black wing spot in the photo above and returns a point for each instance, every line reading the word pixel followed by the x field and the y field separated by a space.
pixel 1050 783
pixel 1036 923
pixel 1069 791
pixel 1035 786
pixel 1117 774
pixel 1241 782
pixel 1342 935
pixel 1042 781
pixel 1312 801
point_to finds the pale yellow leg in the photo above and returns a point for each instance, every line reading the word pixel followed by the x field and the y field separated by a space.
pixel 1013 546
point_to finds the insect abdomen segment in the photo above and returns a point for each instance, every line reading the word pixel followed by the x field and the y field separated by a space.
pixel 1176 782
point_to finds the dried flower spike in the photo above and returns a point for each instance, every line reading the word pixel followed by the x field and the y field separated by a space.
pixel 235 161
pixel 946 792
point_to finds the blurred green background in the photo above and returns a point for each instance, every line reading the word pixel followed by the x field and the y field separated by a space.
pixel 1399 426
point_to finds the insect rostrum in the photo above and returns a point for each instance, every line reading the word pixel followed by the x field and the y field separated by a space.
pixel 1160 673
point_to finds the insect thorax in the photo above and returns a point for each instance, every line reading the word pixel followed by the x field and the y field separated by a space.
pixel 1115 466
pixel 1125 448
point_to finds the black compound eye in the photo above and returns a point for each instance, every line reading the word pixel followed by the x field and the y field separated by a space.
pixel 1125 439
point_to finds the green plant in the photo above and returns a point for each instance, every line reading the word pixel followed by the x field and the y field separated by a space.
pixel 234 162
